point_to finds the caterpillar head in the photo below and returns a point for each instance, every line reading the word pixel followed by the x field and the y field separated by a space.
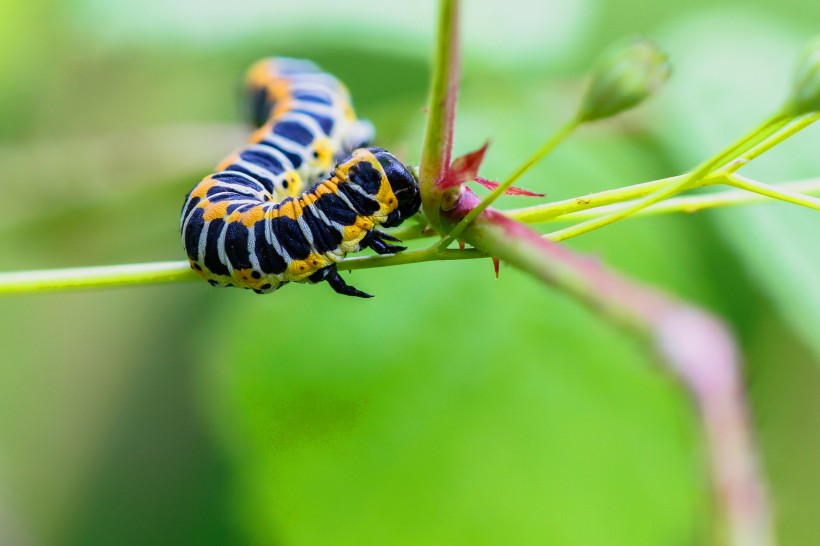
pixel 404 184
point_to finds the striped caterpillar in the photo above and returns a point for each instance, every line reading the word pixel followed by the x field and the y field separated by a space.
pixel 250 225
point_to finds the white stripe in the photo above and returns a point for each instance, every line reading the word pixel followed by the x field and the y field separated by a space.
pixel 256 169
pixel 241 190
pixel 236 201
pixel 252 251
pixel 287 145
pixel 246 176
pixel 310 124
pixel 203 237
pixel 337 253
pixel 220 249
pixel 273 152
pixel 273 240
pixel 183 221
pixel 325 110
pixel 306 230
pixel 341 196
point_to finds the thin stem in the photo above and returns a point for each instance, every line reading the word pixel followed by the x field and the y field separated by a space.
pixel 703 171
pixel 409 257
pixel 551 143
pixel 95 277
pixel 550 211
pixel 103 276
pixel 781 193
pixel 767 144
pixel 695 203
pixel 438 136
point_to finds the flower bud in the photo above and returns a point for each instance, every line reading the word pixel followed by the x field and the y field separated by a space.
pixel 623 77
pixel 805 96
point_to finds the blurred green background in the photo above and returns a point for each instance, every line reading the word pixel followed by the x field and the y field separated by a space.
pixel 451 409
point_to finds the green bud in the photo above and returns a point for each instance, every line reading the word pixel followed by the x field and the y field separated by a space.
pixel 623 77
pixel 805 96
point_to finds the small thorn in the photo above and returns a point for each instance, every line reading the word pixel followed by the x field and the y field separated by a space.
pixel 496 266
pixel 512 190
pixel 461 244
pixel 463 169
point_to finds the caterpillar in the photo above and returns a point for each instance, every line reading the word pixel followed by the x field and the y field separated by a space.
pixel 235 235
pixel 246 226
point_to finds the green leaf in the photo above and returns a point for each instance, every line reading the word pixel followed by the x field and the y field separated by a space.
pixel 512 428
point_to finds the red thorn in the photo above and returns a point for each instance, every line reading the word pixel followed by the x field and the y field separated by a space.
pixel 490 185
pixel 496 265
pixel 463 169
pixel 461 245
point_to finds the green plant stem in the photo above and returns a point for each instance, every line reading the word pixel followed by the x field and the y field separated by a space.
pixel 104 276
pixel 794 126
pixel 438 136
pixel 782 193
pixel 581 207
pixel 410 257
pixel 95 277
pixel 695 203
pixel 549 211
pixel 703 171
pixel 561 135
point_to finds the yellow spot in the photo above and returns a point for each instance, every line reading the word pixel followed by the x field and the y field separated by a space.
pixel 364 223
pixel 288 210
pixel 386 197
pixel 216 210
pixel 323 149
pixel 251 217
pixel 351 233
pixel 295 186
pixel 201 189
pixel 298 270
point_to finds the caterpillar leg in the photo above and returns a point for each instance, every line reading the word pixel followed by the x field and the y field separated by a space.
pixel 375 239
pixel 337 283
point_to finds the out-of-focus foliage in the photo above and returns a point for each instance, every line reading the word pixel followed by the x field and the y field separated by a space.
pixel 451 409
